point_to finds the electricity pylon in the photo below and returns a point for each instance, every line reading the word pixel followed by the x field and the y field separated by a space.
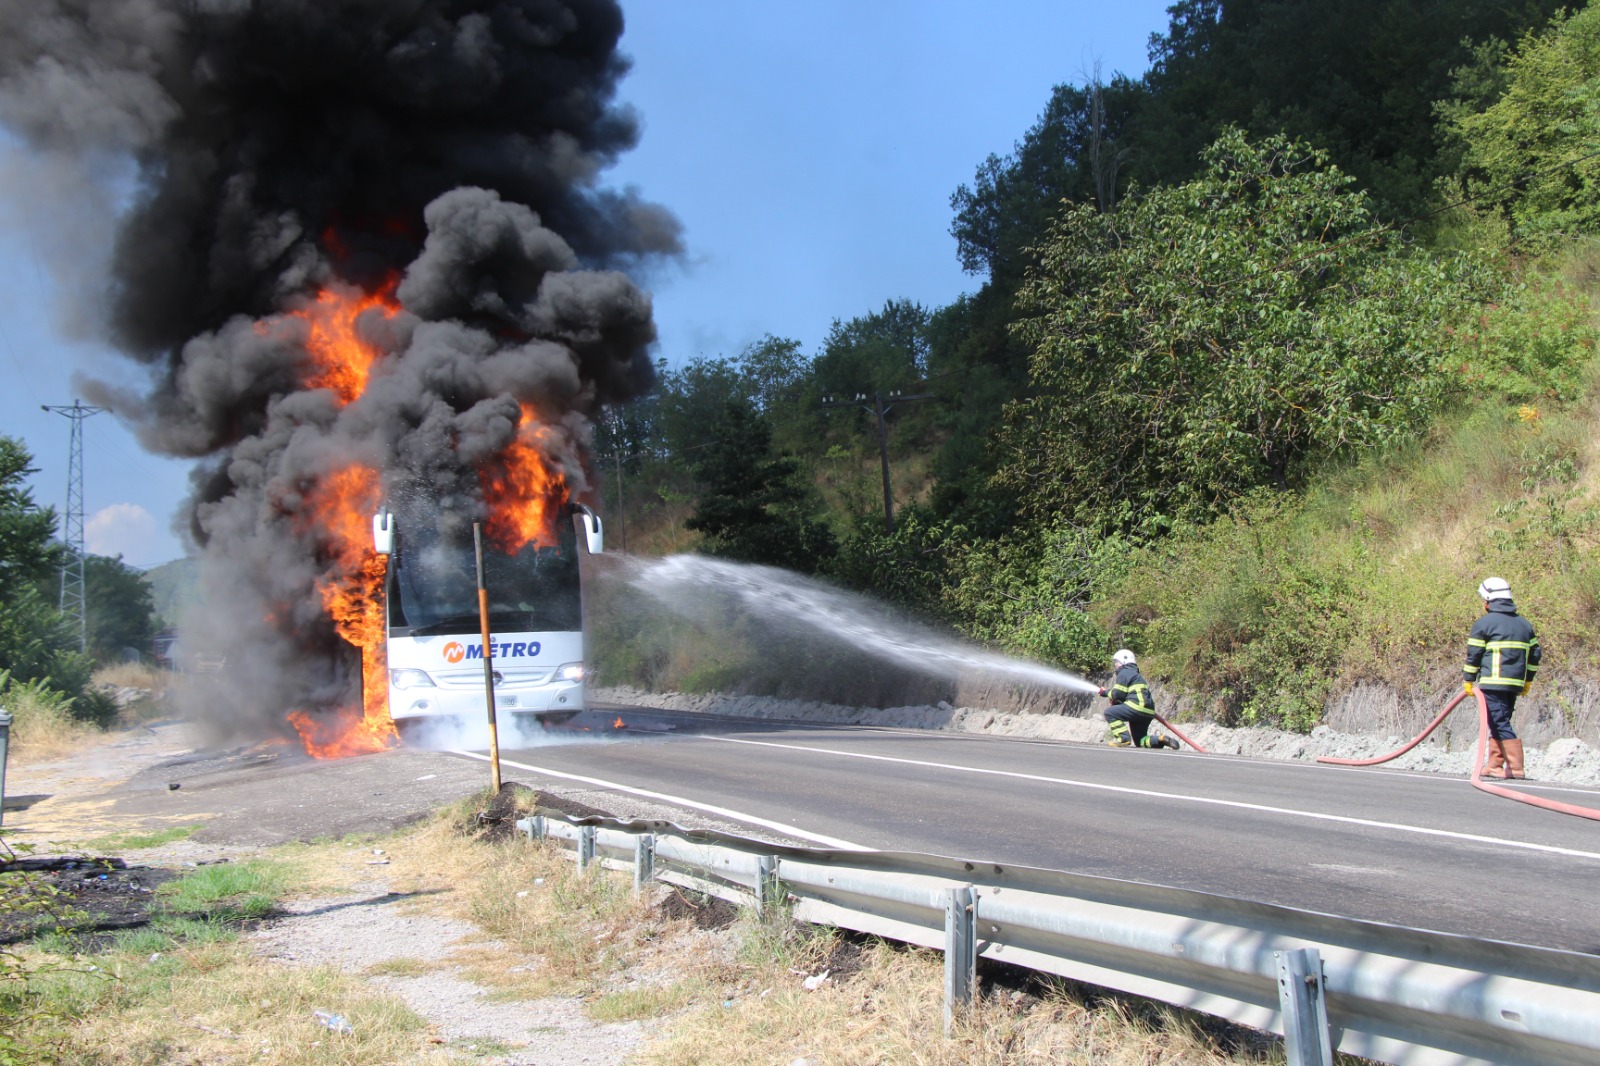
pixel 73 598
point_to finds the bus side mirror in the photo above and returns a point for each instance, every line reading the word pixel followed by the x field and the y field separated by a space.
pixel 383 532
pixel 593 532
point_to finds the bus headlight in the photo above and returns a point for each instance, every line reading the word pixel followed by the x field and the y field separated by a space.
pixel 569 672
pixel 404 679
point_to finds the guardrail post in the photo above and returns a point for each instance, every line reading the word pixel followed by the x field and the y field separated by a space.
pixel 644 861
pixel 960 951
pixel 586 842
pixel 536 828
pixel 766 885
pixel 1305 1011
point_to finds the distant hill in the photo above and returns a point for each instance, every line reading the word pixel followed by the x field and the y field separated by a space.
pixel 173 587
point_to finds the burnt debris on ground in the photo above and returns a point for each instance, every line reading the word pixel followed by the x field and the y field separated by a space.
pixel 86 898
pixel 703 911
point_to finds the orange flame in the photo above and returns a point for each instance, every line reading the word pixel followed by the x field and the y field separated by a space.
pixel 343 360
pixel 343 734
pixel 522 491
pixel 619 724
pixel 340 507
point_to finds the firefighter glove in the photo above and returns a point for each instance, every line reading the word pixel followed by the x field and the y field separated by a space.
pixel 1102 692
pixel 1467 687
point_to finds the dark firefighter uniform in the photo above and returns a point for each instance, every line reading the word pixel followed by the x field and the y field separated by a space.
pixel 1132 710
pixel 1502 658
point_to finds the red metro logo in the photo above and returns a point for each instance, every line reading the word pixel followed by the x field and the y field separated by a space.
pixel 454 652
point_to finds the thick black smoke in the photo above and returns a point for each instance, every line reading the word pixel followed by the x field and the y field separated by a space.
pixel 449 151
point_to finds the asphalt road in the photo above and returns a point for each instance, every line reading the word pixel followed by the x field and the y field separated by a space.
pixel 1419 850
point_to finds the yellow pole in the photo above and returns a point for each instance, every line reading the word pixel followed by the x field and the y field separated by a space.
pixel 488 663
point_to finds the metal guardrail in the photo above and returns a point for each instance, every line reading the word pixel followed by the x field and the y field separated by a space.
pixel 1405 996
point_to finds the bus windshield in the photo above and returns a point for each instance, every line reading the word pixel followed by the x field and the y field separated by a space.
pixel 433 584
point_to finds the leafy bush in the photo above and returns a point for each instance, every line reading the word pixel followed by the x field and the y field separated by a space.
pixel 1536 343
pixel 42 719
pixel 1529 151
pixel 1028 596
pixel 1251 613
pixel 907 567
pixel 1233 332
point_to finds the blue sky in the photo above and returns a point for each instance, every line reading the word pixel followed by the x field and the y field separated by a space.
pixel 810 151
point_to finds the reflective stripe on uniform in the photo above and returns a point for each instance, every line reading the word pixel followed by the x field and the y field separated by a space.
pixel 1139 696
pixel 1495 647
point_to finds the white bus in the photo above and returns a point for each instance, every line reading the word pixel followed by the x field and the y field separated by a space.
pixel 435 643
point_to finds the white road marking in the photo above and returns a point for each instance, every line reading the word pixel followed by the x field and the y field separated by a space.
pixel 680 801
pixel 1345 819
pixel 936 735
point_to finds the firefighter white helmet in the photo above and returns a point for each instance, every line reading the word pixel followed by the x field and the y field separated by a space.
pixel 1494 588
pixel 1123 657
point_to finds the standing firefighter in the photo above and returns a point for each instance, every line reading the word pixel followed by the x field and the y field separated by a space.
pixel 1502 657
pixel 1132 710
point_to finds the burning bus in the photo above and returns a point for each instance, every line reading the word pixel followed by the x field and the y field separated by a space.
pixel 363 252
pixel 433 635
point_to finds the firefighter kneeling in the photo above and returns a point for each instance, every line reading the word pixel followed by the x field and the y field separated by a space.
pixel 1132 710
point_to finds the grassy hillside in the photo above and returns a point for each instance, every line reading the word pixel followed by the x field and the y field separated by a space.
pixel 1368 576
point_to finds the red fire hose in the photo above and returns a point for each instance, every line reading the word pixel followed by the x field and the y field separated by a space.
pixel 1177 734
pixel 1477 762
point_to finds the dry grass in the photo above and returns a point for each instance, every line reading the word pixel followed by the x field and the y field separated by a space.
pixel 152 682
pixel 718 986
pixel 403 967
pixel 42 727
pixel 217 1004
pixel 737 994
pixel 133 675
pixel 892 1011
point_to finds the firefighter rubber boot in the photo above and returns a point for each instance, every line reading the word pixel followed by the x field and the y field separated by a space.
pixel 1166 740
pixel 1496 766
pixel 1121 735
pixel 1513 758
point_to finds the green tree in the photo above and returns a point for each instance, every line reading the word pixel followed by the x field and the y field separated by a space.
pixel 121 612
pixel 1357 78
pixel 1231 332
pixel 885 350
pixel 1075 150
pixel 753 506
pixel 775 373
pixel 691 402
pixel 630 433
pixel 37 644
pixel 1531 151
pixel 28 552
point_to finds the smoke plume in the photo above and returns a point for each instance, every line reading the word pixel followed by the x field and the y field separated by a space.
pixel 434 164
